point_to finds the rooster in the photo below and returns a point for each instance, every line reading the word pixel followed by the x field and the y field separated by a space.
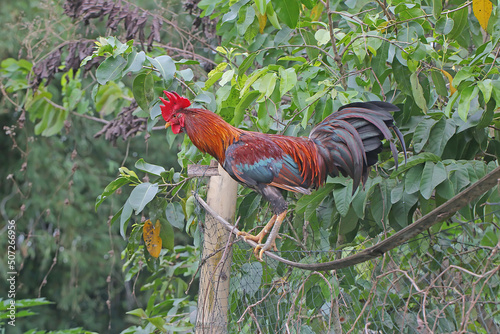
pixel 346 142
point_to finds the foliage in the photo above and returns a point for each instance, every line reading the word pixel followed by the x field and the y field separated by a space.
pixel 65 250
pixel 22 311
pixel 281 67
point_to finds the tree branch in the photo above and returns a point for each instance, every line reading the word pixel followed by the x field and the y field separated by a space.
pixel 437 215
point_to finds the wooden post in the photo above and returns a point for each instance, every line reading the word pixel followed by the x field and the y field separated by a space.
pixel 215 272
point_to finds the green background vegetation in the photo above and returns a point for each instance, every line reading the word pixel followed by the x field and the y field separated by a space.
pixel 271 66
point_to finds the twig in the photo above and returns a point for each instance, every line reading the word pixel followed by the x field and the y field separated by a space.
pixel 92 118
pixel 467 4
pixel 337 58
pixel 439 214
pixel 378 37
pixel 249 307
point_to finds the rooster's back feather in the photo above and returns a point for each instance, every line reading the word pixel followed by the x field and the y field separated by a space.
pixel 350 140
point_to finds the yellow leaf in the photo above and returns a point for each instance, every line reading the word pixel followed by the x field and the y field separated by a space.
pixel 382 27
pixel 262 21
pixel 316 11
pixel 482 11
pixel 152 238
pixel 450 80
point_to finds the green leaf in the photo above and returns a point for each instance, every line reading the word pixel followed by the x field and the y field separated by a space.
pixel 466 73
pixel 130 174
pixel 400 211
pixel 167 235
pixel 343 198
pixel 418 92
pixel 233 11
pixel 165 66
pixel 444 25
pixel 142 89
pixel 421 134
pixel 413 178
pixel 142 195
pixel 314 199
pixel 459 178
pixel 468 94
pixel 149 168
pixel 261 6
pixel 267 84
pixel 314 300
pixel 322 36
pixel 158 322
pixel 380 203
pixel 348 222
pixel 226 77
pixel 24 303
pixel 249 18
pixel 55 122
pixel 154 113
pixel 460 19
pixel 401 75
pixel 213 79
pixel 135 61
pixel 124 217
pixel 432 176
pixel 250 204
pixel 111 188
pixel 251 277
pixel 175 215
pixel 439 83
pixel 138 312
pixel 186 74
pixel 486 87
pixel 397 192
pixel 110 69
pixel 451 103
pixel 242 105
pixel 490 238
pixel 288 11
pixel 246 63
pixel 252 78
pixel 445 189
pixel 437 8
pixel 288 79
pixel 440 134
pixel 271 16
pixel 293 58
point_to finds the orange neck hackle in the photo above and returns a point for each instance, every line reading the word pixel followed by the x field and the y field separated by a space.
pixel 209 132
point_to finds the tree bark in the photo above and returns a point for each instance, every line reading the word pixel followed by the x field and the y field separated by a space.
pixel 215 272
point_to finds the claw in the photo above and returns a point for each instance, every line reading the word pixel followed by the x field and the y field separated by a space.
pixel 275 224
pixel 259 237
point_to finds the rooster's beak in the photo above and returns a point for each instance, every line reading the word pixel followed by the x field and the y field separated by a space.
pixel 167 125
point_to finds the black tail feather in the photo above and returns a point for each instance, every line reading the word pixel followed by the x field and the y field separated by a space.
pixel 351 139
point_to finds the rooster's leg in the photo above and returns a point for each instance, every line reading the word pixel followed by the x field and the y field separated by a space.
pixel 259 237
pixel 271 240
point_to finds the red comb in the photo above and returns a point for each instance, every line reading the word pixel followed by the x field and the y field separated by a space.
pixel 174 103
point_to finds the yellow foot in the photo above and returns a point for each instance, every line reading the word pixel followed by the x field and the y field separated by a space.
pixel 275 224
pixel 259 237
pixel 261 248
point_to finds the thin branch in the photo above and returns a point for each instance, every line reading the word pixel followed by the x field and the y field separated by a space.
pixel 437 215
pixel 374 36
pixel 337 58
pixel 92 118
pixel 467 4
